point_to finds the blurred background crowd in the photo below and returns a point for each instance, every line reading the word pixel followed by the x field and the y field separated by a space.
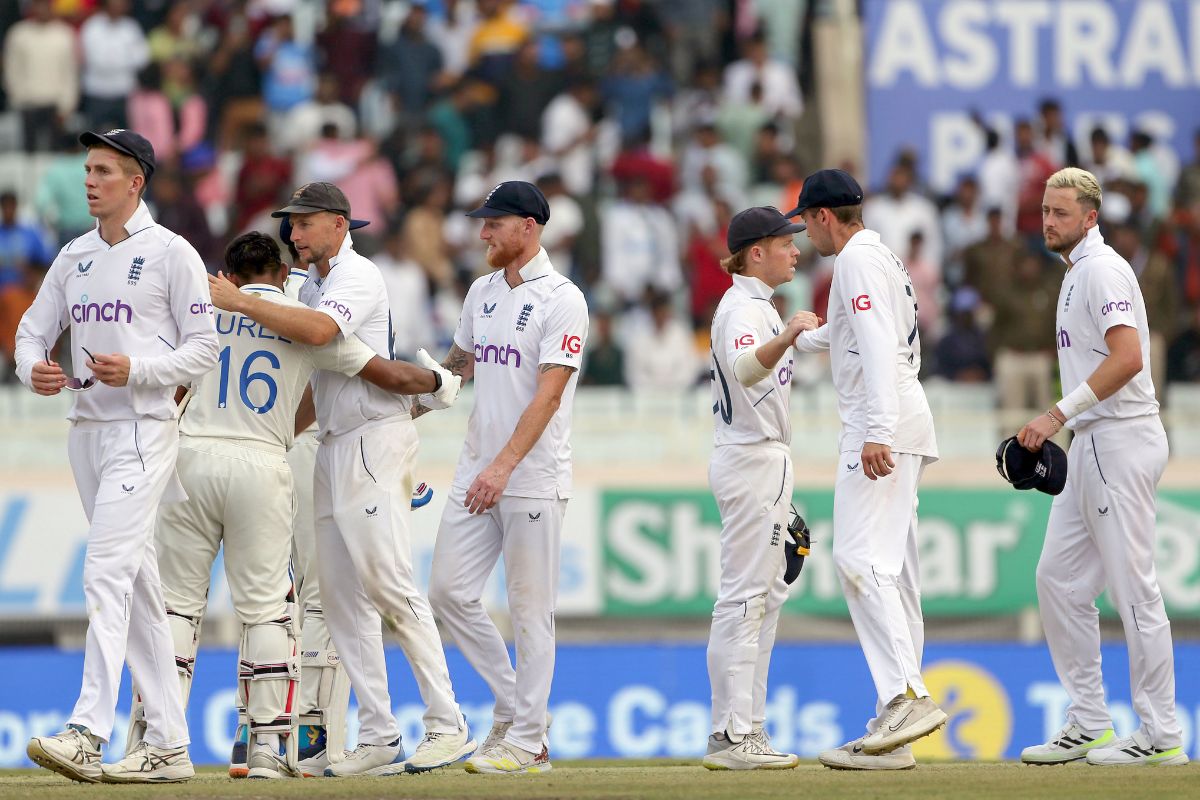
pixel 647 123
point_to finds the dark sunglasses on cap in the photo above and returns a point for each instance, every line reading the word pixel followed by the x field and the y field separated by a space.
pixel 75 384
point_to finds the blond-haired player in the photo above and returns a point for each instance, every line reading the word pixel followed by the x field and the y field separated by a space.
pixel 1100 534
pixel 751 477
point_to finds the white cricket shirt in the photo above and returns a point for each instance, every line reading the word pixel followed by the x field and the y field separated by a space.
pixel 291 288
pixel 1100 292
pixel 260 377
pixel 745 319
pixel 354 296
pixel 146 297
pixel 512 332
pixel 875 351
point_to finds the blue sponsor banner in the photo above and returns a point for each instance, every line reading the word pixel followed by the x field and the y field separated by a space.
pixel 929 63
pixel 647 700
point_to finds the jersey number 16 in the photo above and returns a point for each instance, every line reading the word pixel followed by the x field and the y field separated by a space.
pixel 247 378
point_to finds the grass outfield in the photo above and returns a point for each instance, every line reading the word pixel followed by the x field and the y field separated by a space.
pixel 653 780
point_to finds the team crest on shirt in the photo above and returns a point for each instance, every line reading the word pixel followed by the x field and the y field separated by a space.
pixel 135 270
pixel 523 317
pixel 83 269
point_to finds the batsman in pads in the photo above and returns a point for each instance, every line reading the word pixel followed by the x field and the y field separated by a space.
pixel 751 477
pixel 236 427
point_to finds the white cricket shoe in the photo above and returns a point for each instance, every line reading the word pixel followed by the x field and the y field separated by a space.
pixel 267 763
pixel 74 754
pixel 851 756
pixel 495 736
pixel 754 751
pixel 149 764
pixel 507 759
pixel 314 766
pixel 438 750
pixel 1136 751
pixel 1072 743
pixel 370 759
pixel 905 720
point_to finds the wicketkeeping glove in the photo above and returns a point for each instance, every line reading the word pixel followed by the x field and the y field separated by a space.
pixel 447 393
pixel 797 546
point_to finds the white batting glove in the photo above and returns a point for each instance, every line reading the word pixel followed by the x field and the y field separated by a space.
pixel 445 396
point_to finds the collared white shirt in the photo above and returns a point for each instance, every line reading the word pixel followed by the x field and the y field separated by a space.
pixel 512 333
pixel 260 377
pixel 354 296
pixel 875 350
pixel 146 297
pixel 745 319
pixel 1100 292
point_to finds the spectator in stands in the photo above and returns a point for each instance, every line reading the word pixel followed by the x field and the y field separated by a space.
pixel 423 239
pixel 707 279
pixel 346 49
pixel 926 277
pixel 410 67
pixel 998 180
pixel 1053 141
pixel 525 92
pixel 1187 190
pixel 900 210
pixel 41 75
pixel 1185 247
pixel 708 149
pixel 307 119
pixel 604 360
pixel 289 70
pixel 263 177
pixel 15 300
pixel 177 209
pixel 661 354
pixel 1107 161
pixel 21 244
pixel 780 90
pixel 448 118
pixel 496 38
pixel 962 354
pixel 963 224
pixel 408 294
pixel 565 225
pixel 693 30
pixel 1033 169
pixel 639 243
pixel 1148 170
pixel 114 50
pixel 988 263
pixel 634 85
pixel 177 36
pixel 1022 333
pixel 1183 358
pixel 452 32
pixel 1156 277
pixel 172 124
pixel 569 133
pixel 235 83
pixel 60 205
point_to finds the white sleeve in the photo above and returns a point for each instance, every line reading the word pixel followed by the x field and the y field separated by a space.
pixel 197 350
pixel 345 354
pixel 816 341
pixel 565 329
pixel 42 323
pixel 464 334
pixel 1110 297
pixel 866 297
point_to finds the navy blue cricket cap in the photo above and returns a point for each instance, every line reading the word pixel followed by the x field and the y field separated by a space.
pixel 515 198
pixel 1045 470
pixel 124 141
pixel 828 188
pixel 753 224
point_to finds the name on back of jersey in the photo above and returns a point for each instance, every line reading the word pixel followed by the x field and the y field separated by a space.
pixel 237 325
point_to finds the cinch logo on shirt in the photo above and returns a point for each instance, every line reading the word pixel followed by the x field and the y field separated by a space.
pixel 571 344
pixel 492 354
pixel 745 340
pixel 862 303
pixel 784 374
pixel 341 308
pixel 1115 305
pixel 1064 339
pixel 83 311
pixel 201 307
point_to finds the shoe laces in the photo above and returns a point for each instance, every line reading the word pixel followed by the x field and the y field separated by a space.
pixel 430 739
pixel 755 744
pixel 895 707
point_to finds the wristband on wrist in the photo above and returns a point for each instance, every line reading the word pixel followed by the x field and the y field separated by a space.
pixel 1078 401
pixel 437 381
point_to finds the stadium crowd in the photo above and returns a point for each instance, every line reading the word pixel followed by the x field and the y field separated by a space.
pixel 647 123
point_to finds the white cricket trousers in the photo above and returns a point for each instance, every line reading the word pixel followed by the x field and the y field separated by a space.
pixel 121 471
pixel 753 488
pixel 1101 536
pixel 362 488
pixel 528 532
pixel 875 554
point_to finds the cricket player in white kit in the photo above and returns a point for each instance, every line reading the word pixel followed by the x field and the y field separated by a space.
pixel 135 298
pixel 887 440
pixel 521 336
pixel 1101 530
pixel 362 490
pixel 751 477
pixel 235 431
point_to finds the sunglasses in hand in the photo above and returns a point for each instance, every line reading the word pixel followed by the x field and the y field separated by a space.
pixel 75 384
